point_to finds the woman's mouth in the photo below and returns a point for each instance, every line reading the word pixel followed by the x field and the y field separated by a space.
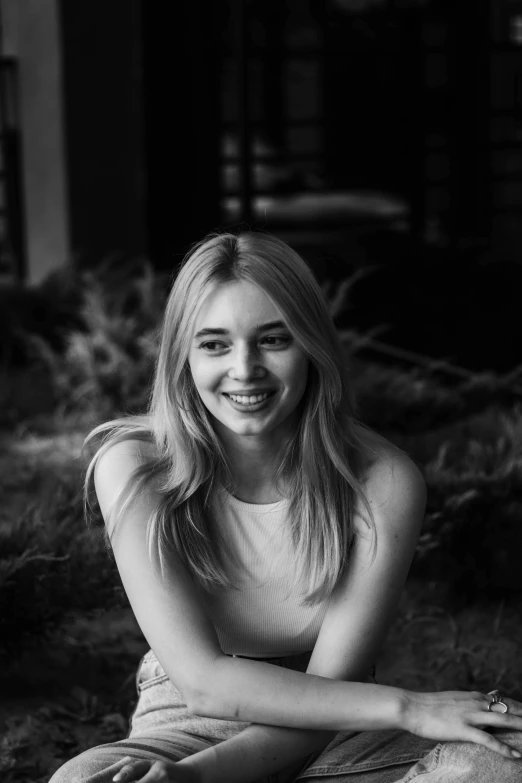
pixel 251 402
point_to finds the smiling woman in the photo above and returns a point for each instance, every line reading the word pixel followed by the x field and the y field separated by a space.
pixel 263 536
pixel 198 439
pixel 251 381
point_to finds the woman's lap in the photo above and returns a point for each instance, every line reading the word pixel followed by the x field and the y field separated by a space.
pixel 162 728
pixel 368 757
pixel 100 764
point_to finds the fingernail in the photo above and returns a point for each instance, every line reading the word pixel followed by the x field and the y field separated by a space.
pixel 516 754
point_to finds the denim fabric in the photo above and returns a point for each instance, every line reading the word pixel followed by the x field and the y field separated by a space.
pixel 382 756
pixel 162 728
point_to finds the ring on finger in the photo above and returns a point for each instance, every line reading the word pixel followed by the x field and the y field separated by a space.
pixel 496 699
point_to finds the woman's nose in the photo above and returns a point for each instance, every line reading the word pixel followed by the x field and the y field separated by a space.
pixel 246 363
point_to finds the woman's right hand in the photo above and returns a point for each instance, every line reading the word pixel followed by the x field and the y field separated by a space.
pixel 143 771
pixel 461 716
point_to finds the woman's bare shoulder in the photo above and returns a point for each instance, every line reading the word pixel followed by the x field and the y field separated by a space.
pixel 391 480
pixel 125 454
pixel 116 465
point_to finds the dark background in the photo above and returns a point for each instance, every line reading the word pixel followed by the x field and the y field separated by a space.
pixel 375 134
pixel 381 139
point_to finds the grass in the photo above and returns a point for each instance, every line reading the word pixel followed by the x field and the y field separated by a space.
pixel 69 644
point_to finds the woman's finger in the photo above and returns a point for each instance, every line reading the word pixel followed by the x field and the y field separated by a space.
pixel 491 742
pixel 514 706
pixel 498 720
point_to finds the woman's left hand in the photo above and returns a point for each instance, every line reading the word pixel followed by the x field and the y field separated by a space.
pixel 155 772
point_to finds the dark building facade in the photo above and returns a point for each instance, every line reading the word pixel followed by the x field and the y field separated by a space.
pixel 142 126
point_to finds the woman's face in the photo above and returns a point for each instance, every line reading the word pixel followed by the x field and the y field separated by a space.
pixel 247 368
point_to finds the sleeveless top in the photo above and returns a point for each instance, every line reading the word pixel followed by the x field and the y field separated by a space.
pixel 261 615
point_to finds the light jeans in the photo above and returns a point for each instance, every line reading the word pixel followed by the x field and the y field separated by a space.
pixel 162 728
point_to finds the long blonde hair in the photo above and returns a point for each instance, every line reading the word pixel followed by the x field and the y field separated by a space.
pixel 322 460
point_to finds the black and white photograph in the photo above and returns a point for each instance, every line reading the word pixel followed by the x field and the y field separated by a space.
pixel 260 391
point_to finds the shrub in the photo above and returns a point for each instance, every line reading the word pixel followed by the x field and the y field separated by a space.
pixel 107 366
pixel 473 528
pixel 51 564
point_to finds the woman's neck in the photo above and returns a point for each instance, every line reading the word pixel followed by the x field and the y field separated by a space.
pixel 254 477
pixel 254 467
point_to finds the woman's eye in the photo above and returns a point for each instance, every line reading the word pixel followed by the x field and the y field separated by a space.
pixel 210 345
pixel 278 341
pixel 273 341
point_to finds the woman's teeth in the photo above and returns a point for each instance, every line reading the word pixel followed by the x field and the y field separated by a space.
pixel 248 400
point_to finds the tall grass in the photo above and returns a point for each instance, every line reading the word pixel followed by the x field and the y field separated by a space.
pixel 51 564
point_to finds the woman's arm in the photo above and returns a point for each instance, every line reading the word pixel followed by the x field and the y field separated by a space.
pixel 356 622
pixel 360 612
pixel 358 617
pixel 172 616
pixel 255 754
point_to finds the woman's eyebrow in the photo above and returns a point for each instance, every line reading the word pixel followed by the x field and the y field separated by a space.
pixel 259 328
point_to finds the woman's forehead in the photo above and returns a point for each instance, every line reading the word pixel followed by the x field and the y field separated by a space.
pixel 238 304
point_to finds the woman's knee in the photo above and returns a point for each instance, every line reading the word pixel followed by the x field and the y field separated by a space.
pixel 475 762
pixel 67 773
pixel 511 738
pixel 96 765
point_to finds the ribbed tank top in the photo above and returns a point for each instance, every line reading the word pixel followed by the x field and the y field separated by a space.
pixel 261 616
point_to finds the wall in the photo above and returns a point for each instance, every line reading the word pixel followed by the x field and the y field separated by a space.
pixel 31 34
